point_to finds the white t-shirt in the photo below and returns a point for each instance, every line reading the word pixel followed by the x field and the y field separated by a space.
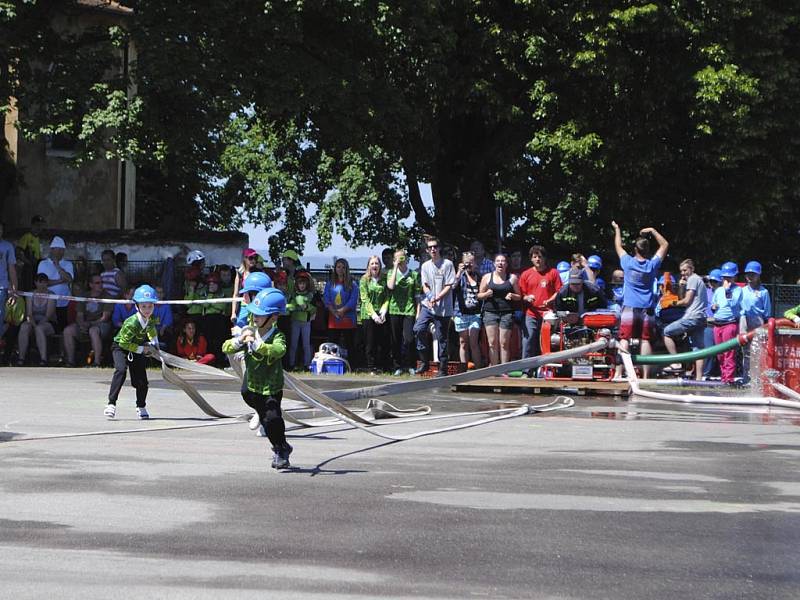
pixel 436 278
pixel 49 268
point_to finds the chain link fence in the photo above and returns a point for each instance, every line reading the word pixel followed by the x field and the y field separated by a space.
pixel 783 297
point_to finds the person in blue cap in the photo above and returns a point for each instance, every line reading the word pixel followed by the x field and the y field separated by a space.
pixel 756 308
pixel 595 263
pixel 711 365
pixel 136 340
pixel 726 304
pixel 264 346
pixel 252 285
pixel 563 271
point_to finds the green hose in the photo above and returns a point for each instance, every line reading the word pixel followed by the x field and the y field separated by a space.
pixel 665 359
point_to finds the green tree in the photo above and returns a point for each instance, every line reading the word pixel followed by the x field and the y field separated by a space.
pixel 330 114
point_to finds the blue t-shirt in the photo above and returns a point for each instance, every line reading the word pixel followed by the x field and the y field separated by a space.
pixel 639 278
pixel 729 304
pixel 7 258
pixel 756 303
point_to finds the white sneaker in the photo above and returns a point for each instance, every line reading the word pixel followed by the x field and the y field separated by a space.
pixel 254 422
pixel 261 432
pixel 142 413
pixel 110 412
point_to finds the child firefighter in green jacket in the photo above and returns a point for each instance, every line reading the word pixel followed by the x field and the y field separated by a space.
pixel 137 340
pixel 264 347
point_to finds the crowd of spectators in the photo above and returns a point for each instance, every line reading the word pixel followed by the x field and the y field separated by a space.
pixel 462 307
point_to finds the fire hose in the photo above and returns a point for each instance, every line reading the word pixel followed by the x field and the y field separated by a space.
pixel 330 402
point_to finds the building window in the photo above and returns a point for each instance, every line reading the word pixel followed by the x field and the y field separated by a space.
pixel 61 144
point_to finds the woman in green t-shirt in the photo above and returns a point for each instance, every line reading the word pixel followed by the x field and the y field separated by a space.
pixel 403 287
pixel 374 305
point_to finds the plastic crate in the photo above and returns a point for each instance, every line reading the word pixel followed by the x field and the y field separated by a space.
pixel 453 368
pixel 331 366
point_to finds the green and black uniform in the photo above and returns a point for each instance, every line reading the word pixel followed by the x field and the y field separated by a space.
pixel 402 315
pixel 374 302
pixel 127 350
pixel 262 388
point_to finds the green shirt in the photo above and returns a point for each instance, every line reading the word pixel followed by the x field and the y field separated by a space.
pixel 373 295
pixel 402 299
pixel 301 306
pixel 264 370
pixel 200 292
pixel 792 313
pixel 132 337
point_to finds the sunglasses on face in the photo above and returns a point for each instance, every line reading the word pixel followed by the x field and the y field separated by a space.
pixel 433 247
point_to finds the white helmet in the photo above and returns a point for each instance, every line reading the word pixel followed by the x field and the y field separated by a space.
pixel 330 348
pixel 194 256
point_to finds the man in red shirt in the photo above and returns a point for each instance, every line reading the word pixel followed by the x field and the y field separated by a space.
pixel 539 286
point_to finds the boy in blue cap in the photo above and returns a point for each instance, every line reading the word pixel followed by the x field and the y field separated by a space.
pixel 756 308
pixel 137 340
pixel 262 389
pixel 726 304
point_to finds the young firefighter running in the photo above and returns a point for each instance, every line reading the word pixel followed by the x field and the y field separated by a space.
pixel 262 388
pixel 137 340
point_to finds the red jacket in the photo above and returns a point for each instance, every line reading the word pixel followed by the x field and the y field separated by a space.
pixel 192 351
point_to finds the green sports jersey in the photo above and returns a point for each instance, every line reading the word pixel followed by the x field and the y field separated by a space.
pixel 132 337
pixel 402 299
pixel 373 295
pixel 264 370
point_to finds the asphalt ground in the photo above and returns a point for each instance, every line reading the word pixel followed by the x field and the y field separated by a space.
pixel 608 499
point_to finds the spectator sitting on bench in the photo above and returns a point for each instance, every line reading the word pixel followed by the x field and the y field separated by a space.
pixel 123 311
pixel 92 321
pixel 40 318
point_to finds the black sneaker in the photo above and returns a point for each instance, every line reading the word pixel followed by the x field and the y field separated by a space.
pixel 280 458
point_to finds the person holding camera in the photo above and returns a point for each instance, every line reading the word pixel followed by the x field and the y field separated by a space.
pixel 403 286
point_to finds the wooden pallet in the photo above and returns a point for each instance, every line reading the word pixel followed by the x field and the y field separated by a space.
pixel 543 386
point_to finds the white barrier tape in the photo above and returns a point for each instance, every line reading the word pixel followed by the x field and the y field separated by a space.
pixel 225 300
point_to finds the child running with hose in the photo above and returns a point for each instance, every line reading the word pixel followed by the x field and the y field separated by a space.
pixel 262 388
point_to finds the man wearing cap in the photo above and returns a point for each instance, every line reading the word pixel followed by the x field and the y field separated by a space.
pixel 579 296
pixel 693 321
pixel 60 274
pixel 8 276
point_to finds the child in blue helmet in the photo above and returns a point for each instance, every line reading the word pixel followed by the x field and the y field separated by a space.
pixel 136 340
pixel 726 304
pixel 714 281
pixel 252 285
pixel 756 308
pixel 262 389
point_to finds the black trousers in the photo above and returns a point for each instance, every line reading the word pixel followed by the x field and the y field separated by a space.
pixel 375 338
pixel 402 328
pixel 269 413
pixel 138 367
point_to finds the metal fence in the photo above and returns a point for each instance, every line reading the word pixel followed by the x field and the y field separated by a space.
pixel 783 297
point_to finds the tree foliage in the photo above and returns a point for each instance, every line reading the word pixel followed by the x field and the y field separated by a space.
pixel 680 115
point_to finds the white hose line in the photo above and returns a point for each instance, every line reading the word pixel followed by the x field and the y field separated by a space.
pixel 321 401
pixel 419 385
pixel 697 399
pixel 367 392
pixel 786 391
pixel 559 403
pixel 56 436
